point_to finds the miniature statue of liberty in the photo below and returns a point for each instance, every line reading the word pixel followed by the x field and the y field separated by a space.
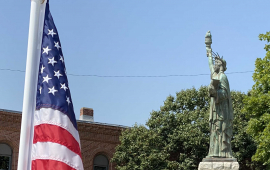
pixel 221 112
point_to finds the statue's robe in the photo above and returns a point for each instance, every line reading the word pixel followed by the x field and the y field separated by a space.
pixel 221 117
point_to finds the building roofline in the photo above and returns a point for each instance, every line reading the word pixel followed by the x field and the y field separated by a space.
pixel 10 111
pixel 106 124
pixel 81 121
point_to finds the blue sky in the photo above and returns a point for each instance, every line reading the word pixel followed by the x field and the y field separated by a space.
pixel 135 38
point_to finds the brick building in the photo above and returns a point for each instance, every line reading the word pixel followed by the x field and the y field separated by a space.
pixel 98 140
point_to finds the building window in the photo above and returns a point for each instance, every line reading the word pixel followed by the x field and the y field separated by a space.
pixel 101 163
pixel 5 157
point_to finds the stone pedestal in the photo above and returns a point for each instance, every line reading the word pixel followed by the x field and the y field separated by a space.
pixel 219 164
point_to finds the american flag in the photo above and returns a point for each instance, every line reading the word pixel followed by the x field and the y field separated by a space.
pixel 56 142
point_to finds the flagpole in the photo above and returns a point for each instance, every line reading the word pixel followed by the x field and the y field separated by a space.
pixel 30 88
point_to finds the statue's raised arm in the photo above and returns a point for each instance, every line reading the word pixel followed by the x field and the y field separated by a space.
pixel 210 60
pixel 208 42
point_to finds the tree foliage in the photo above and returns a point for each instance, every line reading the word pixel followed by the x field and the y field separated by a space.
pixel 257 106
pixel 177 136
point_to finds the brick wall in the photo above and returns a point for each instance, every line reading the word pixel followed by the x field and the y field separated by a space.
pixel 95 138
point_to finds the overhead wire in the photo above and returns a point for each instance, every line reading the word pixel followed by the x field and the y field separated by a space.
pixel 135 76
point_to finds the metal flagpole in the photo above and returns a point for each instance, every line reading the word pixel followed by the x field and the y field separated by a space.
pixel 30 86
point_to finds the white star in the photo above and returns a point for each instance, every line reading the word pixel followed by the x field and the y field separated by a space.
pixel 52 90
pixel 40 88
pixel 42 68
pixel 61 58
pixel 47 78
pixel 46 50
pixel 51 32
pixel 68 100
pixel 57 74
pixel 52 61
pixel 63 86
pixel 56 44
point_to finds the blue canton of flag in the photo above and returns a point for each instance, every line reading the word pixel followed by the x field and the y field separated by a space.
pixel 53 91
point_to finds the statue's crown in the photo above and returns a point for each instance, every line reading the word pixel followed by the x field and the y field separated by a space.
pixel 217 57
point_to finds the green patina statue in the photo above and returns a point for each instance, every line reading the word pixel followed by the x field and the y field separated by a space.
pixel 221 112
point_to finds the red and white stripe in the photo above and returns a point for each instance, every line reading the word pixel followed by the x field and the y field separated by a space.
pixel 56 143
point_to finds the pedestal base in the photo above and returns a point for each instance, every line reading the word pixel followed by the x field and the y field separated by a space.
pixel 219 164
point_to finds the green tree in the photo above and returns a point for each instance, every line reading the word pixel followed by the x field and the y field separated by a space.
pixel 243 146
pixel 177 136
pixel 257 106
pixel 140 149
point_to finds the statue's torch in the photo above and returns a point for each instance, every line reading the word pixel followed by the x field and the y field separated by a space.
pixel 208 41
